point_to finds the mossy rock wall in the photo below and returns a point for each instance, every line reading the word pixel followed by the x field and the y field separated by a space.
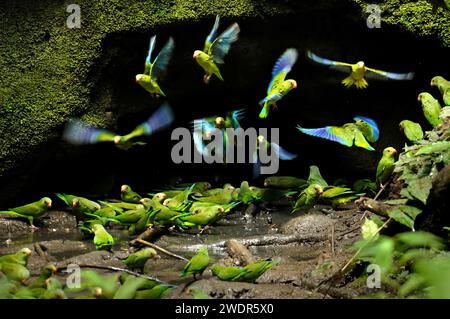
pixel 49 72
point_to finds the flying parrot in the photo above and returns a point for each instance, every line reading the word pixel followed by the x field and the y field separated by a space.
pixel 31 211
pixel 360 133
pixel 20 257
pixel 227 273
pixel 128 195
pixel 285 182
pixel 206 127
pixel 79 133
pixel 385 166
pixel 307 198
pixel 197 264
pixel 412 130
pixel 263 143
pixel 359 71
pixel 216 47
pixel 444 87
pixel 255 270
pixel 139 258
pixel 430 107
pixel 279 86
pixel 154 69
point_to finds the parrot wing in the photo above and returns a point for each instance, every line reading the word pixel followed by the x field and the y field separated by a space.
pixel 282 153
pixel 162 60
pixel 222 44
pixel 148 60
pixel 212 35
pixel 332 133
pixel 78 132
pixel 375 132
pixel 282 67
pixel 162 118
pixel 361 141
pixel 383 75
pixel 341 66
pixel 235 116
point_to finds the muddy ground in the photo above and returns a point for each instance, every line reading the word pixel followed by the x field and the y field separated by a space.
pixel 310 247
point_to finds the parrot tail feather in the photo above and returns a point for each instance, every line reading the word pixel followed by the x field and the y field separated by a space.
pixel 361 84
pixel 264 112
pixel 348 82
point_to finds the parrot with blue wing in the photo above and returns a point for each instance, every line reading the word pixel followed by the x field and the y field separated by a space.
pixel 359 72
pixel 360 133
pixel 79 133
pixel 279 86
pixel 154 69
pixel 215 49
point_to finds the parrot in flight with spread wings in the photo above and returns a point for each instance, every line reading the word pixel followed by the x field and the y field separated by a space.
pixel 154 69
pixel 359 133
pixel 77 132
pixel 206 127
pixel 359 72
pixel 279 86
pixel 216 47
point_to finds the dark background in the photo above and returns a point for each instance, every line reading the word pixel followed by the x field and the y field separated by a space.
pixel 320 100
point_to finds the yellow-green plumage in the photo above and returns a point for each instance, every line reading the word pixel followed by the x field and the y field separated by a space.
pixel 431 108
pixel 385 166
pixel 412 130
pixel 197 264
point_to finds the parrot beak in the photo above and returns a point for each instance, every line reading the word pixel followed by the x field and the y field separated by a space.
pixel 49 204
pixel 432 83
pixel 419 98
pixel 142 201
pixel 28 252
pixel 166 202
pixel 266 184
pixel 123 188
pixel 294 84
pixel 117 140
pixel 138 77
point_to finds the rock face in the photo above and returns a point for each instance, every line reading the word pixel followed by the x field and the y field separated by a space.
pixel 51 72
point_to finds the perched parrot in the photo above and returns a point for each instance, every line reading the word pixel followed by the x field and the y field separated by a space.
pixel 54 289
pixel 360 133
pixel 222 198
pixel 385 166
pixel 205 216
pixel 228 273
pixel 15 272
pixel 285 182
pixel 77 132
pixel 130 216
pixel 444 87
pixel 46 272
pixel 206 127
pixel 107 212
pixel 180 201
pixel 431 108
pixel 307 198
pixel 216 47
pixel 104 286
pixel 198 293
pixel 129 287
pixel 120 206
pixel 358 72
pixel 197 264
pixel 139 258
pixel 79 205
pixel 336 195
pixel 412 130
pixel 102 239
pixel 255 270
pixel 279 86
pixel 20 257
pixel 156 68
pixel 315 177
pixel 128 195
pixel 263 143
pixel 157 292
pixel 31 211
pixel 163 214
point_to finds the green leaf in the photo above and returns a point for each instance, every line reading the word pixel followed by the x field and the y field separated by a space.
pixel 369 229
pixel 436 273
pixel 414 283
pixel 437 147
pixel 420 239
pixel 380 252
pixel 400 201
pixel 399 216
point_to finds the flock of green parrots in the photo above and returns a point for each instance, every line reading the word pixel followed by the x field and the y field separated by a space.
pixel 198 205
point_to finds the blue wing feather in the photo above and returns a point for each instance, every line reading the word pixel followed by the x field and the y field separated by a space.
pixel 162 60
pixel 236 116
pixel 162 118
pixel 282 153
pixel 325 133
pixel 222 44
pixel 80 133
pixel 284 64
pixel 212 35
pixel 373 125
pixel 148 60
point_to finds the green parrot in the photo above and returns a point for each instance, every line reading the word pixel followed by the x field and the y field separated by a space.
pixel 79 205
pixel 385 166
pixel 217 191
pixel 103 286
pixel 102 239
pixel 444 87
pixel 79 133
pixel 128 195
pixel 46 272
pixel 199 187
pixel 20 257
pixel 15 272
pixel 359 71
pixel 198 293
pixel 412 130
pixel 139 258
pixel 307 198
pixel 180 201
pixel 106 212
pixel 156 68
pixel 361 132
pixel 197 264
pixel 246 195
pixel 205 216
pixel 216 47
pixel 130 216
pixel 120 206
pixel 31 211
pixel 279 86
pixel 339 195
pixel 430 107
pixel 255 270
pixel 228 273
pixel 54 289
pixel 157 292
pixel 315 177
pixel 163 215
pixel 29 293
pixel 285 182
